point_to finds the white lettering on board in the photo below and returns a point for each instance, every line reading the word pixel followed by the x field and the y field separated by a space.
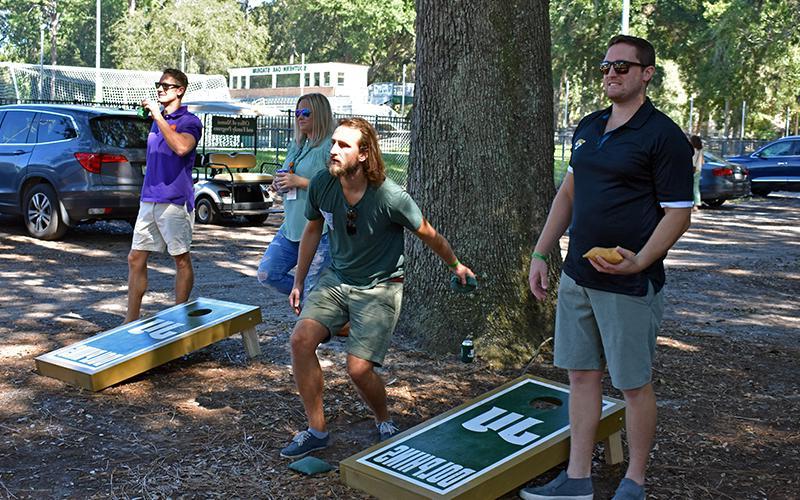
pixel 511 428
pixel 158 329
pixel 424 466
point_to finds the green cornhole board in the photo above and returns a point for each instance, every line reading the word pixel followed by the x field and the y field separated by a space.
pixel 482 449
pixel 127 350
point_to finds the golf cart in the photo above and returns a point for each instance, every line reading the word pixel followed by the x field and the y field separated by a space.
pixel 224 187
pixel 230 183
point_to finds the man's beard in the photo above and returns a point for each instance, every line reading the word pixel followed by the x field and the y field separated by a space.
pixel 337 170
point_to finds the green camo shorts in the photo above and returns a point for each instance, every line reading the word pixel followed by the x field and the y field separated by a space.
pixel 372 313
pixel 595 329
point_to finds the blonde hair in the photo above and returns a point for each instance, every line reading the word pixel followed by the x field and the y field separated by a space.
pixel 374 168
pixel 322 123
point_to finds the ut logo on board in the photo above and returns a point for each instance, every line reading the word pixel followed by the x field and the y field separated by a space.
pixel 158 329
pixel 510 426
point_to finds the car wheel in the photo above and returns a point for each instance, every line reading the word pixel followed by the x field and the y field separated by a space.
pixel 205 212
pixel 717 202
pixel 41 214
pixel 255 220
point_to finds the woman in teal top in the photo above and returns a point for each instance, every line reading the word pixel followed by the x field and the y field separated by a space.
pixel 307 155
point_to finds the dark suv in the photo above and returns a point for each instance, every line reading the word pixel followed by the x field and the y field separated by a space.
pixel 64 164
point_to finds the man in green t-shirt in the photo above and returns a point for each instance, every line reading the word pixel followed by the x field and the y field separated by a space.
pixel 366 215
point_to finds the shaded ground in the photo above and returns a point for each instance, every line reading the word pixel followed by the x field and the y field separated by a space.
pixel 209 424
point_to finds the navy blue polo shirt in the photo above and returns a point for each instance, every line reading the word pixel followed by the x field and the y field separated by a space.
pixel 623 181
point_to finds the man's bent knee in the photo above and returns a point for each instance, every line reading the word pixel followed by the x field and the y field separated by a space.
pixel 307 335
pixel 359 369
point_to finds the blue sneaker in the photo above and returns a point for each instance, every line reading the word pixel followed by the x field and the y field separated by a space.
pixel 561 488
pixel 386 430
pixel 629 490
pixel 304 443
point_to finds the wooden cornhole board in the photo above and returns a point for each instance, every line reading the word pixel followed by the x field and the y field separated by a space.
pixel 482 449
pixel 127 350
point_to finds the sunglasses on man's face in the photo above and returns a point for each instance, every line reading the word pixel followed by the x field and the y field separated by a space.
pixel 351 221
pixel 620 67
pixel 304 112
pixel 167 86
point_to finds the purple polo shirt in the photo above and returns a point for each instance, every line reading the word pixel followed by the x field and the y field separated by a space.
pixel 168 177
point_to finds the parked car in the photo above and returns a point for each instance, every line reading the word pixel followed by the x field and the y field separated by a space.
pixel 64 164
pixel 721 180
pixel 774 167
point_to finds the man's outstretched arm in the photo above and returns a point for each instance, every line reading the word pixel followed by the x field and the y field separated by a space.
pixel 441 247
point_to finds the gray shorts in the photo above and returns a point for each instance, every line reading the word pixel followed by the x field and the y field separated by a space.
pixel 372 313
pixel 595 329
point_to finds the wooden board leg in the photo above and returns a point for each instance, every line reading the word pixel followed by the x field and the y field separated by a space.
pixel 613 447
pixel 250 341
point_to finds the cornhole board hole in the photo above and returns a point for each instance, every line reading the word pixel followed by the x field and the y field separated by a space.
pixel 482 449
pixel 127 350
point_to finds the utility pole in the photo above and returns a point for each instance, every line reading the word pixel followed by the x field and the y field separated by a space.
pixel 98 84
pixel 626 14
pixel 744 112
pixel 403 95
pixel 41 58
pixel 691 113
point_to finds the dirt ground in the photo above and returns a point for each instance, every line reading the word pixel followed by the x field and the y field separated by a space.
pixel 210 424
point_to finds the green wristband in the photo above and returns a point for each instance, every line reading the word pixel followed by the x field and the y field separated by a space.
pixel 454 264
pixel 537 255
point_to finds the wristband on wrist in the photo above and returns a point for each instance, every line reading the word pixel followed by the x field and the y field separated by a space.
pixel 454 264
pixel 537 255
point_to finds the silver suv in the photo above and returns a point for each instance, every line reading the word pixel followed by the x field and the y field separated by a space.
pixel 64 164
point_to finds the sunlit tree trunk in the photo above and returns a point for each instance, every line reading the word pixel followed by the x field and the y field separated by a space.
pixel 482 172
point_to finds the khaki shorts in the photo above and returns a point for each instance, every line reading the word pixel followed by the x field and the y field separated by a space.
pixel 163 226
pixel 372 313
pixel 595 329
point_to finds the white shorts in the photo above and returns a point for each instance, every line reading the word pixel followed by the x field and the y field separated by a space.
pixel 161 226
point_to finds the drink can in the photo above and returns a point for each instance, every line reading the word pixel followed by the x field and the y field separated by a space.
pixel 282 171
pixel 467 350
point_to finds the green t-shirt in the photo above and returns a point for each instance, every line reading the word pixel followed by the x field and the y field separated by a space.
pixel 307 162
pixel 374 253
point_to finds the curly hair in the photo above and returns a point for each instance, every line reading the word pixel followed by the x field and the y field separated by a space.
pixel 374 168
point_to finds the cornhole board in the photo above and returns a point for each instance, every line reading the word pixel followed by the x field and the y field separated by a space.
pixel 481 449
pixel 127 350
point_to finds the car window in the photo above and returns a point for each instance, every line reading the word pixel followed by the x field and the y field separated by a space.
pixel 121 131
pixel 54 128
pixel 16 127
pixel 779 149
pixel 795 148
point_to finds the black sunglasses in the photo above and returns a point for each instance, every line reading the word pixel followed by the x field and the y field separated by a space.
pixel 620 67
pixel 168 86
pixel 351 221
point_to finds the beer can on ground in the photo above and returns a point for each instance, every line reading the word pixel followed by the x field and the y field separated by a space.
pixel 468 350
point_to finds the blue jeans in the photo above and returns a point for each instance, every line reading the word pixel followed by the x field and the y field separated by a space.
pixel 280 258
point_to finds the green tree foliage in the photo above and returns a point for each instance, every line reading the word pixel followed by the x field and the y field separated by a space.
pixel 379 34
pixel 217 34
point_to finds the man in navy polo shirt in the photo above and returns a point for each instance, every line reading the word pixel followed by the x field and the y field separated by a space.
pixel 629 186
pixel 166 211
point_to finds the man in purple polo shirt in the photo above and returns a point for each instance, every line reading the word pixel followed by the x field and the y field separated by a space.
pixel 166 211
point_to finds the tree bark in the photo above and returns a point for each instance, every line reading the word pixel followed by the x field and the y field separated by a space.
pixel 481 169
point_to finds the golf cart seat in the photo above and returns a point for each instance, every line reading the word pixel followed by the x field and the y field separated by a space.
pixel 229 163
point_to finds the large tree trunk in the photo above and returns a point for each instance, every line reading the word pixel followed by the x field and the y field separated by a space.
pixel 481 169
